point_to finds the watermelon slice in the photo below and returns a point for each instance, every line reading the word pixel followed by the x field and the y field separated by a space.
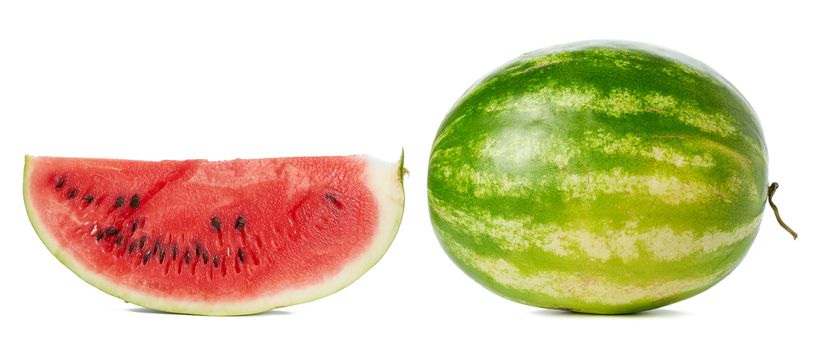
pixel 216 237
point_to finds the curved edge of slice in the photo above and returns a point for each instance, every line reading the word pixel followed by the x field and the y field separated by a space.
pixel 385 181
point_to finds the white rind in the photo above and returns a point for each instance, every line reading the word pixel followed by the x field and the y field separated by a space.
pixel 384 181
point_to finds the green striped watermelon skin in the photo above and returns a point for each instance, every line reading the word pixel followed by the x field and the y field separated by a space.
pixel 599 177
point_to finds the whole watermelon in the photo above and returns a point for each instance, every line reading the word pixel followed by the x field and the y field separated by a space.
pixel 599 177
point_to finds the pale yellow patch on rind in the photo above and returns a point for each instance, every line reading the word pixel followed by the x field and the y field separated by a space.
pixel 516 148
pixel 590 185
pixel 618 103
pixel 629 144
pixel 625 241
pixel 666 188
pixel 586 287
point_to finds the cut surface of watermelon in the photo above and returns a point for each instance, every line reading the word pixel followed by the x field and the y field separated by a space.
pixel 216 237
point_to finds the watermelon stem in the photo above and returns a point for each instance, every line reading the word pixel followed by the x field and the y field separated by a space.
pixel 402 170
pixel 770 193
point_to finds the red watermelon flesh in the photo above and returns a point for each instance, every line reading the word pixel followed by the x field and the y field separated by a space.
pixel 216 237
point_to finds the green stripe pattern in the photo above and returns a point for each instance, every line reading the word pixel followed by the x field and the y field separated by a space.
pixel 598 177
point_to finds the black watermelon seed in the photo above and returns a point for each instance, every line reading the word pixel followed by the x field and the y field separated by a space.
pixel 241 255
pixel 100 235
pixel 132 246
pixel 216 224
pixel 240 223
pixel 118 203
pixel 174 252
pixel 156 247
pixel 135 225
pixel 331 198
pixel 88 198
pixel 72 193
pixel 112 231
pixel 135 201
pixel 146 257
pixel 119 239
pixel 142 242
pixel 60 183
pixel 197 248
pixel 187 257
pixel 216 261
pixel 204 257
pixel 162 255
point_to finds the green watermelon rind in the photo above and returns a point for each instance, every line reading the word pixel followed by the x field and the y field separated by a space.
pixel 541 161
pixel 384 184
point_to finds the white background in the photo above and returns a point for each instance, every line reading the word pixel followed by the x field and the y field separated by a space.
pixel 220 80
